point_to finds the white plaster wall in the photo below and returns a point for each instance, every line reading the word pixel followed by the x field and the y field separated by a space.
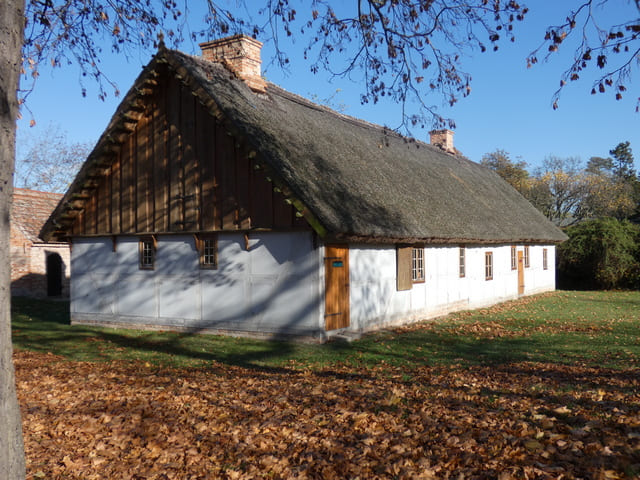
pixel 277 286
pixel 537 279
pixel 272 288
pixel 375 301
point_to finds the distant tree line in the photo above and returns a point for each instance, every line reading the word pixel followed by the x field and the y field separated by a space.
pixel 598 207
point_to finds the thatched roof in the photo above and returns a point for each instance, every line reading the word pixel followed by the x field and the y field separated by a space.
pixel 358 181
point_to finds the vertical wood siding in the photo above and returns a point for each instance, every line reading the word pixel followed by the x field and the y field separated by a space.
pixel 181 170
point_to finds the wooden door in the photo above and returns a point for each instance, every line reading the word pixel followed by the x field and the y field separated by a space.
pixel 520 273
pixel 336 268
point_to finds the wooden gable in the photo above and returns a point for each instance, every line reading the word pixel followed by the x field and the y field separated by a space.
pixel 177 168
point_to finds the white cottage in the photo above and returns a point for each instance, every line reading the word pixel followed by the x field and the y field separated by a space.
pixel 217 202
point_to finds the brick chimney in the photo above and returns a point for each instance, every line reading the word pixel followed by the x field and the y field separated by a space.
pixel 443 139
pixel 241 55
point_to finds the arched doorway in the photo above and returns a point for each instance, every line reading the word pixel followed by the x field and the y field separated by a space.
pixel 54 275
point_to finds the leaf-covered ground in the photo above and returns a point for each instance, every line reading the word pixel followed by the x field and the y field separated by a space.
pixel 134 420
pixel 542 387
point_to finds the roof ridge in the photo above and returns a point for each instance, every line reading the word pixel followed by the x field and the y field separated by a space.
pixel 273 88
pixel 299 99
pixel 303 101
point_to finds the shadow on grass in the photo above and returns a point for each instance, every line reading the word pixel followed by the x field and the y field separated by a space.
pixel 44 326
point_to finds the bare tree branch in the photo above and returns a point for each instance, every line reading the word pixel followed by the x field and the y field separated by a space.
pixel 616 45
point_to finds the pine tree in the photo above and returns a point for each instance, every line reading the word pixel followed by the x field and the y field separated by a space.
pixel 623 161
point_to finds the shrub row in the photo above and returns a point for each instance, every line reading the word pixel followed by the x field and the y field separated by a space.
pixel 600 254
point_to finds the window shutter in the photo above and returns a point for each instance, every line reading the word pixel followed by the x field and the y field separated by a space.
pixel 403 268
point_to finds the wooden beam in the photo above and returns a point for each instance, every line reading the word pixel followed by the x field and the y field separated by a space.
pixel 69 207
pixel 143 92
pixel 116 195
pixel 97 173
pixel 181 73
pixel 174 154
pixel 124 128
pixel 90 185
pixel 106 159
pixel 190 165
pixel 160 169
pixel 137 106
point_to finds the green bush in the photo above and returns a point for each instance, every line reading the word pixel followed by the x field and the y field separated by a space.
pixel 600 254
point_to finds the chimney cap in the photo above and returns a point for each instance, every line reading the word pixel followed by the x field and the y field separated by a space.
pixel 239 37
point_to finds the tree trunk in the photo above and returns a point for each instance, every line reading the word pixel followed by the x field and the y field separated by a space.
pixel 12 463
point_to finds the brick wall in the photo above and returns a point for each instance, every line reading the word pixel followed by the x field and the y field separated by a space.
pixel 29 268
pixel 20 250
pixel 29 211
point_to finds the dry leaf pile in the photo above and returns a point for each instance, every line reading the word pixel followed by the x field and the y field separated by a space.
pixel 135 421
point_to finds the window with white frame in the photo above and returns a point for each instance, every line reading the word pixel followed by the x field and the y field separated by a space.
pixel 207 245
pixel 526 256
pixel 514 258
pixel 462 262
pixel 488 265
pixel 147 253
pixel 417 264
pixel 545 259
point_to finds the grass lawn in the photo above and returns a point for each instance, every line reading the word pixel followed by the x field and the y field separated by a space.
pixel 543 387
pixel 592 328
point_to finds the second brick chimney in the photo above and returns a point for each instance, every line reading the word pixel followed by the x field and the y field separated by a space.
pixel 442 139
pixel 241 55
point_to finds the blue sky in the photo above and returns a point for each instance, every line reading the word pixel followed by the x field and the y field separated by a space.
pixel 509 107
